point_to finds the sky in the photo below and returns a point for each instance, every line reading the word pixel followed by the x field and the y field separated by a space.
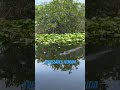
pixel 37 2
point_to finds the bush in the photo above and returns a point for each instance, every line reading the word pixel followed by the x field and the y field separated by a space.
pixel 103 31
pixel 60 39
pixel 60 16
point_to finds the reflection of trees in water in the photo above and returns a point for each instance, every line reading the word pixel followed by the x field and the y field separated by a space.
pixel 64 67
pixel 111 74
pixel 104 68
pixel 16 65
pixel 53 51
pixel 16 51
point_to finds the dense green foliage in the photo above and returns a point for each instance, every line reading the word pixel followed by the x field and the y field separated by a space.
pixel 103 31
pixel 60 16
pixel 16 51
pixel 60 39
pixel 16 42
pixel 102 34
pixel 16 31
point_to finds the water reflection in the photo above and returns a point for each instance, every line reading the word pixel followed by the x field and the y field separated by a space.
pixel 62 76
pixel 16 66
pixel 53 52
pixel 64 67
pixel 105 67
pixel 59 79
pixel 16 48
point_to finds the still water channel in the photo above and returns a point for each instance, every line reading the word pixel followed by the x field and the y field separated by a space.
pixel 16 68
pixel 60 77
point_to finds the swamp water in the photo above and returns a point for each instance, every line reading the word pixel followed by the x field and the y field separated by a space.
pixel 62 76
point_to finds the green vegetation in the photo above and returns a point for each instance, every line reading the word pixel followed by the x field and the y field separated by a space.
pixel 16 49
pixel 60 39
pixel 103 23
pixel 59 26
pixel 16 42
pixel 60 16
pixel 103 31
pixel 60 22
pixel 16 31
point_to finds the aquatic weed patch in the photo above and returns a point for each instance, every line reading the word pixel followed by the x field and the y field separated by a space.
pixel 60 39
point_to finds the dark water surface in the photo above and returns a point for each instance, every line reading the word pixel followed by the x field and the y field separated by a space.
pixel 16 66
pixel 103 65
pixel 3 86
